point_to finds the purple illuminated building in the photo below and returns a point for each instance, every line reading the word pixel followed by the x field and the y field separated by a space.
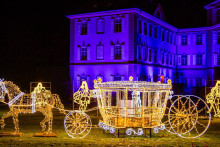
pixel 117 44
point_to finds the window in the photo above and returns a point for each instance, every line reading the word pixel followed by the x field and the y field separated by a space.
pixel 184 81
pixel 218 37
pixel 198 82
pixel 117 25
pixel 174 40
pixel 146 54
pixel 218 16
pixel 139 53
pixel 83 52
pixel 218 59
pixel 99 52
pixel 184 40
pixel 117 78
pixel 155 32
pixel 162 35
pixel 171 38
pixel 150 30
pixel 184 60
pixel 117 52
pixel 171 60
pixel 199 39
pixel 139 26
pixel 145 28
pixel 84 28
pixel 150 52
pixel 155 56
pixel 163 58
pixel 168 37
pixel 198 59
pixel 167 60
pixel 100 26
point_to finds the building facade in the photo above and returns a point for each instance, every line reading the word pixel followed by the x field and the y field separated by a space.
pixel 116 44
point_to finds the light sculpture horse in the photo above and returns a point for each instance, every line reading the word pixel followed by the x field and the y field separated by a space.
pixel 39 100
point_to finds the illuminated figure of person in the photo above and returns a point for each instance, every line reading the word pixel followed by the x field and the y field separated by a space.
pixel 213 99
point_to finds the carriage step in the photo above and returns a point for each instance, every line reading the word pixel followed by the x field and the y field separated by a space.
pixel 45 134
pixel 11 134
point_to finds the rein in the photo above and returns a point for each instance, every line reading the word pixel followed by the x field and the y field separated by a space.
pixel 15 98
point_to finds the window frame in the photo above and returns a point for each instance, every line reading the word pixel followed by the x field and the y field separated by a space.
pixel 83 53
pixel 84 28
pixel 98 51
pixel 100 24
pixel 117 25
pixel 117 52
pixel 184 39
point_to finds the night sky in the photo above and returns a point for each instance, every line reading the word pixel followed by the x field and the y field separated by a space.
pixel 35 34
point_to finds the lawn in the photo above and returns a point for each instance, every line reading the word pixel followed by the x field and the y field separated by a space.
pixel 30 124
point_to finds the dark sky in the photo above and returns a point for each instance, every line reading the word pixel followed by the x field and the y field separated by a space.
pixel 35 34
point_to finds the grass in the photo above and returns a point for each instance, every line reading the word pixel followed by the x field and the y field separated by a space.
pixel 30 124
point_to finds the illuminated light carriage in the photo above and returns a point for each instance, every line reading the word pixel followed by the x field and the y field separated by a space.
pixel 130 105
pixel 139 105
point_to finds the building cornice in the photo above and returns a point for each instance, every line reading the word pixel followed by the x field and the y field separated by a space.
pixel 210 6
pixel 124 11
pixel 217 26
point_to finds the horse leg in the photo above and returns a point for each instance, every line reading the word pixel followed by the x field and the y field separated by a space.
pixel 5 115
pixel 50 120
pixel 15 120
pixel 44 121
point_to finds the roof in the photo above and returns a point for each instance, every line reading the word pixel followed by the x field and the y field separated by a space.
pixel 181 14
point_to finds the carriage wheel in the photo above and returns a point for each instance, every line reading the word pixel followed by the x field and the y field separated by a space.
pixel 77 124
pixel 165 119
pixel 189 116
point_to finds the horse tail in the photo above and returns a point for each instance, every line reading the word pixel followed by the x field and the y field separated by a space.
pixel 58 104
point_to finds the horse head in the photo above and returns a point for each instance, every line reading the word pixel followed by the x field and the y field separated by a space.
pixel 3 90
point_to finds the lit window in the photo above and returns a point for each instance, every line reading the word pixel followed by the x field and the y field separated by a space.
pixel 117 52
pixel 145 28
pixel 84 28
pixel 150 30
pixel 198 59
pixel 184 40
pixel 184 60
pixel 199 39
pixel 155 32
pixel 100 52
pixel 117 27
pixel 139 26
pixel 83 52
pixel 100 26
pixel 218 37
